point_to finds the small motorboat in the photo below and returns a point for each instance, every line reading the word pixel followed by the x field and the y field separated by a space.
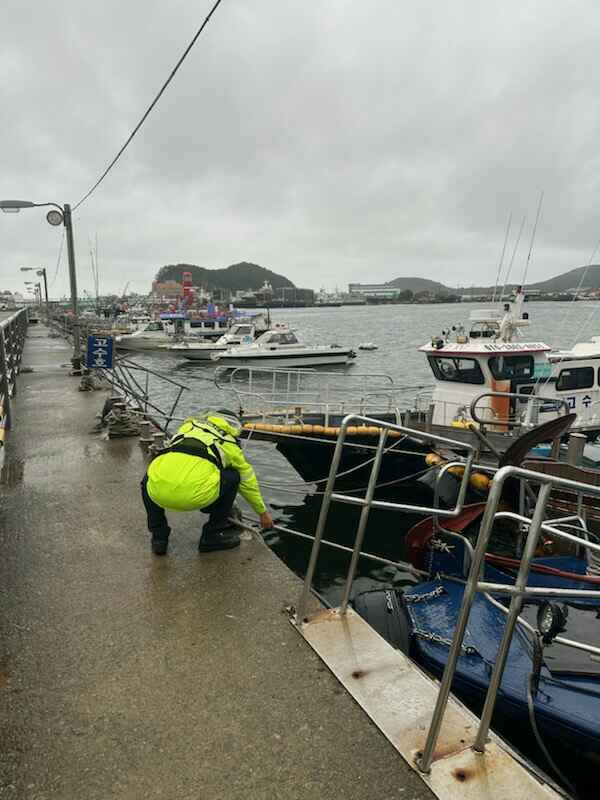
pixel 242 333
pixel 368 346
pixel 279 347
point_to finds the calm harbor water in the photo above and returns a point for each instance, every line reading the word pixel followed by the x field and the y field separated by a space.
pixel 398 331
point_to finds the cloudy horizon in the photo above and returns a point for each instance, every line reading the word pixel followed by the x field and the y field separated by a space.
pixel 331 143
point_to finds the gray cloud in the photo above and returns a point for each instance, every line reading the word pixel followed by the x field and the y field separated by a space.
pixel 328 141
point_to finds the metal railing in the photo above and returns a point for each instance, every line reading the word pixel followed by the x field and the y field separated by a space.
pixel 527 418
pixel 13 330
pixel 536 524
pixel 532 528
pixel 368 502
pixel 292 394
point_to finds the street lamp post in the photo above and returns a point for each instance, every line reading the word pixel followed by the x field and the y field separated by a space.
pixel 41 271
pixel 58 215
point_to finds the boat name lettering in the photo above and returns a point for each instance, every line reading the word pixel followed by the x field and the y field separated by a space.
pixel 512 346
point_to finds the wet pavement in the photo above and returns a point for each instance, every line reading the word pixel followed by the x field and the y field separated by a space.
pixel 123 675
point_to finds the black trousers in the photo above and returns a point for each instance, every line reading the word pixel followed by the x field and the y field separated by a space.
pixel 219 511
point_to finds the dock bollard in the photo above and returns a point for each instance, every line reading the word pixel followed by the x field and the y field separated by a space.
pixel 145 432
pixel 575 448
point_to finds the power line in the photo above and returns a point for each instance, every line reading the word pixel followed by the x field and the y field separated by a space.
pixel 150 107
pixel 59 258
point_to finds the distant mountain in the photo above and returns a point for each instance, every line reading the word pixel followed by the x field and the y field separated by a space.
pixel 571 279
pixel 420 285
pixel 237 276
pixel 558 284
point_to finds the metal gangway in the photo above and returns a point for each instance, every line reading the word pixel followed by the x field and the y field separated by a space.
pixel 453 751
pixel 13 330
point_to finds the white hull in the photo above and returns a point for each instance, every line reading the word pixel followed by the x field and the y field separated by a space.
pixel 197 354
pixel 281 360
pixel 140 344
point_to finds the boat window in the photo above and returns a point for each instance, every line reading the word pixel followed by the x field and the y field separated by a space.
pixel 243 330
pixel 509 367
pixel 462 370
pixel 575 378
pixel 154 326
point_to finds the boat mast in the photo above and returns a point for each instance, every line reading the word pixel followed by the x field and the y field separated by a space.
pixel 502 256
pixel 537 219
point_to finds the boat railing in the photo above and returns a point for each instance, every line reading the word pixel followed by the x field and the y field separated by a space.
pixel 531 528
pixel 304 407
pixel 13 331
pixel 368 502
pixel 527 417
pixel 292 393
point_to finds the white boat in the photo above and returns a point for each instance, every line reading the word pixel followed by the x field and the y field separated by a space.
pixel 241 333
pixel 482 374
pixel 328 299
pixel 368 346
pixel 163 333
pixel 153 336
pixel 279 347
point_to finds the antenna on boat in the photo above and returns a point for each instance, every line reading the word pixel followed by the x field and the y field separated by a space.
pixel 502 256
pixel 533 232
pixel 512 260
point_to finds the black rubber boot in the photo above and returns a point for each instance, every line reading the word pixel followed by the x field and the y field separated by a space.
pixel 159 546
pixel 225 539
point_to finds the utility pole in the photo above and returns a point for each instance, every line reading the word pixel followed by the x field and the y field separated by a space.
pixel 76 360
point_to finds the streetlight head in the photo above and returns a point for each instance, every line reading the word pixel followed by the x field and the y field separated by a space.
pixel 54 217
pixel 14 206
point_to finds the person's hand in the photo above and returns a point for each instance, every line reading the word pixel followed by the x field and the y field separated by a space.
pixel 266 520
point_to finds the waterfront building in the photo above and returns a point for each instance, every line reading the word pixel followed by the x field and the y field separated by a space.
pixel 382 291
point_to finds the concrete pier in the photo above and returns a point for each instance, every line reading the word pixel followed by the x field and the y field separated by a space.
pixel 124 675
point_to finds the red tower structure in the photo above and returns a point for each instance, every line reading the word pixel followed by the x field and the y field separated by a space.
pixel 188 290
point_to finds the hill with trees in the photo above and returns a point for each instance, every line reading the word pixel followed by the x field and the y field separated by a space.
pixel 420 285
pixel 237 276
pixel 570 280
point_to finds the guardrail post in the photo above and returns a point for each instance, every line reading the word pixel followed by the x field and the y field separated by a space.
pixel 326 502
pixel 424 762
pixel 577 442
pixel 514 610
pixel 364 517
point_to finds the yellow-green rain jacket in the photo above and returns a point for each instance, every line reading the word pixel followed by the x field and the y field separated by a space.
pixel 183 482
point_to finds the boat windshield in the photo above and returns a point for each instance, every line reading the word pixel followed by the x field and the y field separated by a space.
pixel 282 338
pixel 454 368
pixel 242 330
pixel 508 367
pixel 154 326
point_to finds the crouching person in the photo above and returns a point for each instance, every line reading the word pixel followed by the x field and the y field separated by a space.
pixel 201 469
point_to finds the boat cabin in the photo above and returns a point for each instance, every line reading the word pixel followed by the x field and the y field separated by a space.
pixel 476 373
pixel 279 336
pixel 202 327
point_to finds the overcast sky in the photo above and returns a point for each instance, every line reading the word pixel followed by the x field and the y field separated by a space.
pixel 331 141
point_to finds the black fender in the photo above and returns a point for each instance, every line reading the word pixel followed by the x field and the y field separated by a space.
pixel 385 611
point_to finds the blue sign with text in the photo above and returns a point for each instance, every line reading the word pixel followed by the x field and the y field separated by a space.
pixel 99 352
